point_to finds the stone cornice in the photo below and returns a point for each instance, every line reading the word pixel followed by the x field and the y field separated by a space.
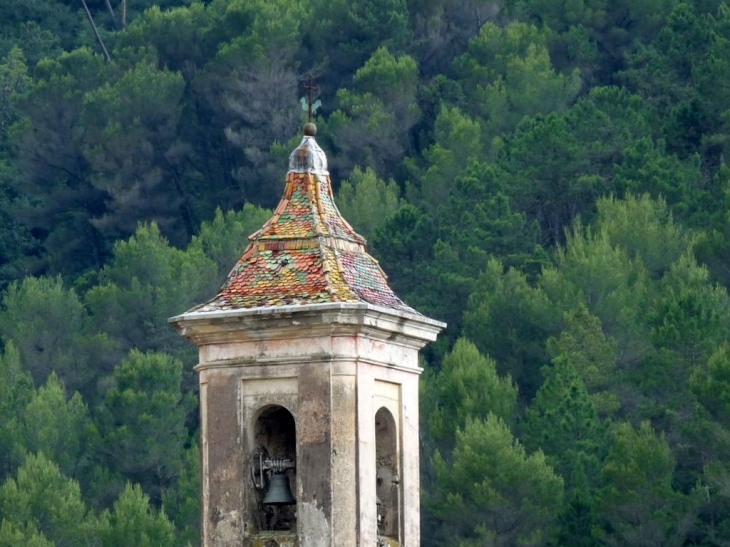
pixel 262 365
pixel 311 320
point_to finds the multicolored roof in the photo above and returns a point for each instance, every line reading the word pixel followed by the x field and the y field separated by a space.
pixel 306 253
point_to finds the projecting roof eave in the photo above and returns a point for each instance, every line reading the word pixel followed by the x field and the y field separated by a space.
pixel 215 326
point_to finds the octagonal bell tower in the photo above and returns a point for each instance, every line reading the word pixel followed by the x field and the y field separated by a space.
pixel 308 384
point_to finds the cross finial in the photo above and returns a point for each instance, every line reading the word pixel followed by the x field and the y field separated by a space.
pixel 311 88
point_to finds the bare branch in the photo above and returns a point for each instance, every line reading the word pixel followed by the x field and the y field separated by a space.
pixel 96 31
pixel 111 12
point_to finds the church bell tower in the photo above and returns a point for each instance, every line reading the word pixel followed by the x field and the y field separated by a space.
pixel 308 367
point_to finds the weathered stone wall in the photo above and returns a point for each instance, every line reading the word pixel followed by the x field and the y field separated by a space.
pixel 332 372
pixel 272 539
pixel 222 448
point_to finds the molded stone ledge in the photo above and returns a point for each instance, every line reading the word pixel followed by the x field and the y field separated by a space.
pixel 273 323
pixel 272 539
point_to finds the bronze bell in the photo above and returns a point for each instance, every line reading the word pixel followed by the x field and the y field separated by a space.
pixel 279 492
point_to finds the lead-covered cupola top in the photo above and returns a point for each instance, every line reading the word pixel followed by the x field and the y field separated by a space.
pixel 308 157
pixel 306 253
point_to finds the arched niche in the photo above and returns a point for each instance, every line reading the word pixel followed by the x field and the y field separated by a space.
pixel 274 434
pixel 387 469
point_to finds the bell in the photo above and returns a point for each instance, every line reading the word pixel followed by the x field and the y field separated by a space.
pixel 279 492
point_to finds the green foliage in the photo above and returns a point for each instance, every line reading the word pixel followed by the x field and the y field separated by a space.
pixel 367 201
pixel 183 502
pixel 584 347
pixel 147 282
pixel 403 243
pixel 507 75
pixel 711 383
pixel 347 33
pixel 104 145
pixel 711 247
pixel 258 73
pixel 53 332
pixel 39 27
pixel 559 164
pixel 371 127
pixel 43 501
pixel 14 79
pixel 466 387
pixel 563 422
pixel 647 167
pixel 690 317
pixel 511 321
pixel 639 505
pixel 558 185
pixel 59 428
pixel 134 522
pixel 682 71
pixel 578 521
pixel 16 390
pixel 493 491
pixel 186 35
pixel 474 225
pixel 603 277
pixel 457 143
pixel 11 535
pixel 662 241
pixel 547 176
pixel 135 152
pixel 49 140
pixel 17 244
pixel 143 422
pixel 606 29
pixel 15 239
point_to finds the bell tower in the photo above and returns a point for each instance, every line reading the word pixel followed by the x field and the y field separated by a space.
pixel 308 367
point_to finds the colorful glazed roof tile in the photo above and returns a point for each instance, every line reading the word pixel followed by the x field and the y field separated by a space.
pixel 306 253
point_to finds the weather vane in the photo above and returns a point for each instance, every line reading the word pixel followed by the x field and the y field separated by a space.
pixel 308 103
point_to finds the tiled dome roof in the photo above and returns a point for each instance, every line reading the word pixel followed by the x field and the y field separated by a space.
pixel 306 253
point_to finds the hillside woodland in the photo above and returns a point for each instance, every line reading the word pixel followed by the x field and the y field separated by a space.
pixel 548 176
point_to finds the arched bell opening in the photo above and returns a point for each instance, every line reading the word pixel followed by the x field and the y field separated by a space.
pixel 273 468
pixel 387 468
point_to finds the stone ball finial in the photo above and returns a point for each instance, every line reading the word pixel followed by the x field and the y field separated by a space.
pixel 310 130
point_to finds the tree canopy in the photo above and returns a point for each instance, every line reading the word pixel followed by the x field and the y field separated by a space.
pixel 548 177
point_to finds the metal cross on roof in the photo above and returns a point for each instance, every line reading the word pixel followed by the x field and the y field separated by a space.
pixel 308 103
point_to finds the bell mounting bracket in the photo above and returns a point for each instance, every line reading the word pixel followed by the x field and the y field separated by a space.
pixel 263 466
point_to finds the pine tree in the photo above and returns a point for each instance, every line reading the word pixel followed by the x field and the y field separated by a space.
pixel 133 522
pixel 492 492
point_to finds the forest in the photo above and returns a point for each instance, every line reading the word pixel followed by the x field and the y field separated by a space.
pixel 547 176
